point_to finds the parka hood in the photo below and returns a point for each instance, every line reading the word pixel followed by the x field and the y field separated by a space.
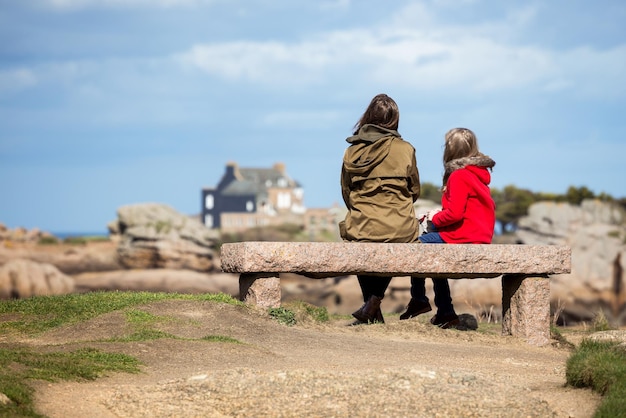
pixel 481 172
pixel 369 147
pixel 478 165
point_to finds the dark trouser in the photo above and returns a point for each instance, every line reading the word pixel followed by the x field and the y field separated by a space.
pixel 373 286
pixel 443 300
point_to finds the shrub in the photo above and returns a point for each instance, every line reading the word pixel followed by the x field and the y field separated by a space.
pixel 282 315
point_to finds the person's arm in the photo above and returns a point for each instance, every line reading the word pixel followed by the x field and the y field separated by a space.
pixel 414 179
pixel 456 196
pixel 345 186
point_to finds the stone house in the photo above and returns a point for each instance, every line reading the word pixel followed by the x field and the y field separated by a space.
pixel 252 197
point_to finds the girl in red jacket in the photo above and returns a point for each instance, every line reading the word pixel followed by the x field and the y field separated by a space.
pixel 467 217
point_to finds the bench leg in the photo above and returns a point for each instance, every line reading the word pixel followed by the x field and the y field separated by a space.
pixel 260 289
pixel 526 308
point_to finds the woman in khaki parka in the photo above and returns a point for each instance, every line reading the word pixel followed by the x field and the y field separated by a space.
pixel 379 183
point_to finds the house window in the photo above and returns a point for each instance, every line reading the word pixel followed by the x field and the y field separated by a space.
pixel 209 201
pixel 208 220
pixel 282 182
pixel 249 206
pixel 284 200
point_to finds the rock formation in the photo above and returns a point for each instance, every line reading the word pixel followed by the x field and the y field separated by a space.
pixel 21 278
pixel 596 232
pixel 153 235
pixel 22 234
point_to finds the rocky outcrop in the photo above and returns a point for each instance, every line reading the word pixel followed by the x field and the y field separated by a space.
pixel 596 232
pixel 22 234
pixel 158 280
pixel 25 278
pixel 70 259
pixel 154 235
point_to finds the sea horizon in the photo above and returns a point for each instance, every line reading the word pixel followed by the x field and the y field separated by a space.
pixel 75 234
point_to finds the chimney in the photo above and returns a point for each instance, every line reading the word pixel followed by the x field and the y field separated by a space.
pixel 280 167
pixel 232 170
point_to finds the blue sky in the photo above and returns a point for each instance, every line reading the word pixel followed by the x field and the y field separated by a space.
pixel 111 102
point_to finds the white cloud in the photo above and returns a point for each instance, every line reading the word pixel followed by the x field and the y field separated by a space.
pixel 267 62
pixel 17 79
pixel 81 4
pixel 594 73
pixel 418 52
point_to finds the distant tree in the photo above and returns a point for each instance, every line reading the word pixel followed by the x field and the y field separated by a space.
pixel 511 204
pixel 605 197
pixel 430 192
pixel 575 195
pixel 549 197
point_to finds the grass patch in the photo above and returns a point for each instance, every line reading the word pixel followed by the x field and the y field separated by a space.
pixel 283 315
pixel 600 366
pixel 19 365
pixel 136 316
pixel 304 311
pixel 35 315
pixel 299 312
pixel 141 335
pixel 32 316
pixel 220 339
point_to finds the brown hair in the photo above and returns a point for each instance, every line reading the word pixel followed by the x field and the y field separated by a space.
pixel 460 143
pixel 382 111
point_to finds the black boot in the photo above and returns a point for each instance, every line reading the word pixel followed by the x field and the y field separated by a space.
pixel 415 308
pixel 370 312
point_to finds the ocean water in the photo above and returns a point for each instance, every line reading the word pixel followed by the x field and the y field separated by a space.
pixel 64 235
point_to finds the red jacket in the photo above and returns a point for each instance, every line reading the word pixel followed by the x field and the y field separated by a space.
pixel 468 214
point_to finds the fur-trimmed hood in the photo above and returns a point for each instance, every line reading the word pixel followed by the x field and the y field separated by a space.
pixel 480 160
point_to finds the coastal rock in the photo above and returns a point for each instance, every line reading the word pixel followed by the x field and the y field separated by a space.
pixel 70 259
pixel 152 235
pixel 158 280
pixel 596 232
pixel 25 278
pixel 22 234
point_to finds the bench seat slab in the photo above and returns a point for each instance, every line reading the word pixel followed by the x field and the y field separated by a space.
pixel 328 259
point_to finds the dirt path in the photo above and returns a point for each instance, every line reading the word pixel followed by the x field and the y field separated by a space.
pixel 399 369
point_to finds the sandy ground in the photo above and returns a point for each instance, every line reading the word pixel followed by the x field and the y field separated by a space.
pixel 396 369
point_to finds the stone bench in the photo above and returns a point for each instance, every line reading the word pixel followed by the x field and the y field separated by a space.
pixel 524 270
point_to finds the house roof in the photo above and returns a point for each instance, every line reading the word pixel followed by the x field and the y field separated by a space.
pixel 255 181
pixel 267 177
pixel 243 187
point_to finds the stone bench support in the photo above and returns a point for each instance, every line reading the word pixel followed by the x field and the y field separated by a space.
pixel 524 271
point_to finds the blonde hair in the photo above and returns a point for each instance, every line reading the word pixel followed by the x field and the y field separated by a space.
pixel 460 143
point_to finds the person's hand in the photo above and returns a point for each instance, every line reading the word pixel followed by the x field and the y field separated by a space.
pixel 431 213
pixel 426 226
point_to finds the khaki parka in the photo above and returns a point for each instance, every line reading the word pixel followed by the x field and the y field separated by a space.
pixel 379 184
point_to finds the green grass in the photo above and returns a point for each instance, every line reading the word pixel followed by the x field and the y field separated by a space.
pixel 600 366
pixel 35 315
pixel 19 365
pixel 298 311
pixel 221 339
pixel 283 315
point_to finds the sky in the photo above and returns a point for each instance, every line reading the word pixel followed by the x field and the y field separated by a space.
pixel 105 103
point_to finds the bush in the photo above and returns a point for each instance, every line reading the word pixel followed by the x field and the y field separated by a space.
pixel 282 315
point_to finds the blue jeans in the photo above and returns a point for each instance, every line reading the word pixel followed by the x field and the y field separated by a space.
pixel 443 300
